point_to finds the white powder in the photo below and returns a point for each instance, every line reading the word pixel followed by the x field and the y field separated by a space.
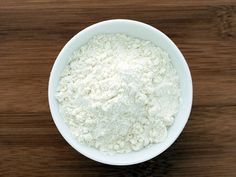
pixel 119 93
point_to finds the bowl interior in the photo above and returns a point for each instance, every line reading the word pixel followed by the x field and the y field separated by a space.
pixel 135 29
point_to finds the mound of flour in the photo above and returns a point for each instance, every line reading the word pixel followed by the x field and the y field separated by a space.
pixel 118 93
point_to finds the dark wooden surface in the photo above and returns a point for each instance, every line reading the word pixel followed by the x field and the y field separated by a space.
pixel 32 32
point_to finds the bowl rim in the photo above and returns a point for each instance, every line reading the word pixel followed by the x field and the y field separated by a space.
pixel 51 93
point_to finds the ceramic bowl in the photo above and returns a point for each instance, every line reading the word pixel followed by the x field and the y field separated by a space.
pixel 142 31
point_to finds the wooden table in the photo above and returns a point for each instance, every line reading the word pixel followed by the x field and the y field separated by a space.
pixel 32 32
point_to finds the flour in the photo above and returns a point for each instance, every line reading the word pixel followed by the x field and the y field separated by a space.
pixel 119 94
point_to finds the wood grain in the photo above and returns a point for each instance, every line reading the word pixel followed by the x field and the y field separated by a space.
pixel 32 32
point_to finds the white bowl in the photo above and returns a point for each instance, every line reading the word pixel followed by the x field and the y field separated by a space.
pixel 139 30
